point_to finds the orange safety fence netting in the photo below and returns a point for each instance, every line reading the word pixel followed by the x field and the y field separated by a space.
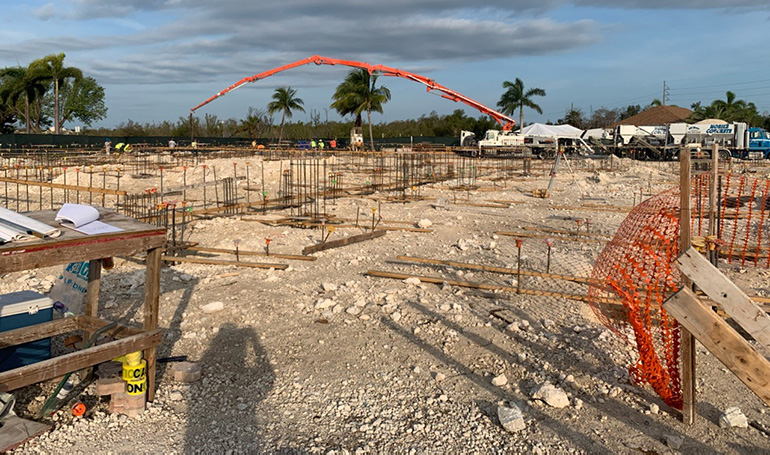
pixel 637 268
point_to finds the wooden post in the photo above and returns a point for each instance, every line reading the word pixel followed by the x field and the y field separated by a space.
pixel 151 298
pixel 713 189
pixel 92 289
pixel 688 340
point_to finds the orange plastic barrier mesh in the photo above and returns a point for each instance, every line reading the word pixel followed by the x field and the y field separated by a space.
pixel 637 268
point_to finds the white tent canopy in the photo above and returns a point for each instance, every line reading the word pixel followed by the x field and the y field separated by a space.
pixel 541 129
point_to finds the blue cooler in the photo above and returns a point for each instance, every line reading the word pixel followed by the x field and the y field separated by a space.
pixel 22 309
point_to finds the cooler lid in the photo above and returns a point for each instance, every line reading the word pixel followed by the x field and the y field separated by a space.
pixel 21 302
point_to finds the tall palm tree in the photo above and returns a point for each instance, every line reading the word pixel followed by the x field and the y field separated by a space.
pixel 359 92
pixel 730 105
pixel 19 82
pixel 515 97
pixel 52 67
pixel 284 100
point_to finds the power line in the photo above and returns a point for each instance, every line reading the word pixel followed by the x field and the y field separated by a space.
pixel 743 91
pixel 729 84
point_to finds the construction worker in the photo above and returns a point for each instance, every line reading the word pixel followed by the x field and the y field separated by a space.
pixel 321 144
pixel 359 145
pixel 107 145
pixel 171 143
pixel 119 147
pixel 194 144
pixel 333 143
pixel 312 144
pixel 128 148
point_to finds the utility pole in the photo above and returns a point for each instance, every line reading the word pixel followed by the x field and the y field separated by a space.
pixel 665 94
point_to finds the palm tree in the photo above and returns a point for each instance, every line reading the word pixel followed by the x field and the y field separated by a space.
pixel 52 67
pixel 359 92
pixel 284 100
pixel 515 97
pixel 730 105
pixel 20 82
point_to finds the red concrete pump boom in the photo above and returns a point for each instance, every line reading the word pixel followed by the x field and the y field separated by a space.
pixel 502 119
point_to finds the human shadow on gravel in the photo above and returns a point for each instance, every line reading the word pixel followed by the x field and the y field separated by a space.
pixel 566 362
pixel 585 442
pixel 562 362
pixel 222 409
pixel 173 333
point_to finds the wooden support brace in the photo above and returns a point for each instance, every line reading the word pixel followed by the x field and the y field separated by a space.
pixel 58 366
pixel 723 291
pixel 723 341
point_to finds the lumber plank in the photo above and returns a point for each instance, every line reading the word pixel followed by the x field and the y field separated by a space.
pixel 61 186
pixel 487 268
pixel 68 363
pixel 727 294
pixel 345 225
pixel 255 265
pixel 493 287
pixel 39 331
pixel 295 257
pixel 722 341
pixel 344 242
pixel 555 237
pixel 566 232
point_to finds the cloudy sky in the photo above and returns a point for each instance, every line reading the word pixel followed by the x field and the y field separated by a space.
pixel 159 58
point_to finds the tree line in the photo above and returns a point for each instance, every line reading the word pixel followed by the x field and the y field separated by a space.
pixel 357 94
pixel 46 93
pixel 730 109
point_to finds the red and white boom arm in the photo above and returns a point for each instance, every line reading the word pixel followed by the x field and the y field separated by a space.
pixel 506 122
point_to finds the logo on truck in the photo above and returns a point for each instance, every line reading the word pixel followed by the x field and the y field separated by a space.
pixel 720 129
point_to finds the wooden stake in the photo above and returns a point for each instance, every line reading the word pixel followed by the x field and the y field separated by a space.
pixel 688 340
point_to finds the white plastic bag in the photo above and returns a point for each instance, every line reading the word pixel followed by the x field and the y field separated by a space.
pixel 70 288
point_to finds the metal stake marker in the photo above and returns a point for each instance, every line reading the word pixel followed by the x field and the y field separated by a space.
pixel 50 177
pixel 90 185
pixel 104 185
pixel 549 243
pixel 519 242
pixel 248 185
pixel 374 210
pixel 65 184
pixel 237 242
pixel 26 177
pixel 40 190
pixel 205 203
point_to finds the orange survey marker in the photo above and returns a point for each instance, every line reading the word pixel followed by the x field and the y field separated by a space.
pixel 79 409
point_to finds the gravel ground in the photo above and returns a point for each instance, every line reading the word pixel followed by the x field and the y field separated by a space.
pixel 321 358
